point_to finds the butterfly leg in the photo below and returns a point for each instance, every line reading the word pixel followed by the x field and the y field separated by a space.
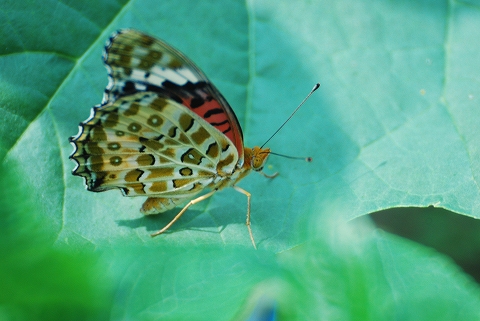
pixel 270 176
pixel 195 201
pixel 244 192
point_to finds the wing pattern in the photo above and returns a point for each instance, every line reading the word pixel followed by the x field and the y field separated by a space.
pixel 150 145
pixel 137 62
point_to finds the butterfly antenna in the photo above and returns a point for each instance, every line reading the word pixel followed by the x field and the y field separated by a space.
pixel 317 85
pixel 307 159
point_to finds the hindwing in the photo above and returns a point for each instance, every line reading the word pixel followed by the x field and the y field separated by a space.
pixel 148 144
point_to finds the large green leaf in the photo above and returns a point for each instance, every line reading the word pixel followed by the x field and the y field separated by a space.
pixel 395 123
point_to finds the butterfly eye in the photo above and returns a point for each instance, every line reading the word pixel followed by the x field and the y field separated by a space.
pixel 255 163
pixel 259 158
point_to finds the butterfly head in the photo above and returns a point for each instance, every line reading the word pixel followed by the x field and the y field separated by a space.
pixel 256 157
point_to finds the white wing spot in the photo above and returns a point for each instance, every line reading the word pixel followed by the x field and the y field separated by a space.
pixel 138 74
pixel 169 74
pixel 187 73
pixel 155 79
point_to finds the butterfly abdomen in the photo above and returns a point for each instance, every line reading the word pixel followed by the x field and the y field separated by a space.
pixel 155 205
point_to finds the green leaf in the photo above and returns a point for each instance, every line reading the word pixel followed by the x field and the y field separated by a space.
pixel 355 273
pixel 358 274
pixel 395 123
pixel 38 281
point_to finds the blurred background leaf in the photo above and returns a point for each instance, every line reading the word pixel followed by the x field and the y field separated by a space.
pixel 395 124
pixel 38 281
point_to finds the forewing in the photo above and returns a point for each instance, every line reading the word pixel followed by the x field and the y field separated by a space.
pixel 147 144
pixel 137 62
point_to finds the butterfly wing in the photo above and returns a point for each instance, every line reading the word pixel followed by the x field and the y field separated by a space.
pixel 147 144
pixel 163 130
pixel 137 63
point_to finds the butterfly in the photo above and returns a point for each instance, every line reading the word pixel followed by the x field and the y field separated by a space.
pixel 162 131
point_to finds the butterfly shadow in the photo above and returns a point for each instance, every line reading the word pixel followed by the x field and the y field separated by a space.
pixel 195 220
